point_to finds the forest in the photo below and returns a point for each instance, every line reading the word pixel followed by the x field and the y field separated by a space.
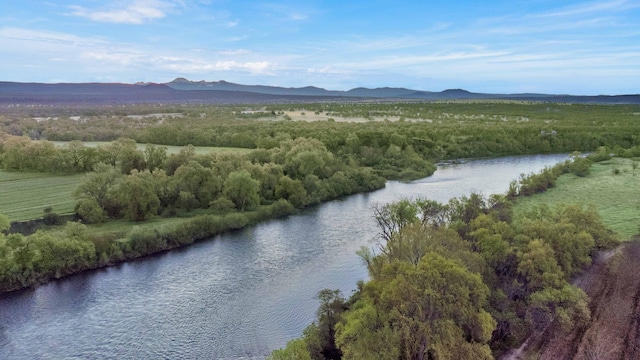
pixel 447 281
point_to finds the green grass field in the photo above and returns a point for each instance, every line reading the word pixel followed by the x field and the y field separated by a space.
pixel 615 196
pixel 24 196
pixel 170 148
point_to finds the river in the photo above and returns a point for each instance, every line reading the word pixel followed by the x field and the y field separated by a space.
pixel 235 296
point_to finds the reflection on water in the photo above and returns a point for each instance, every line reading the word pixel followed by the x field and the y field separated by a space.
pixel 235 296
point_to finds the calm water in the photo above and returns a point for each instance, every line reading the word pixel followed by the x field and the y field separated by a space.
pixel 236 296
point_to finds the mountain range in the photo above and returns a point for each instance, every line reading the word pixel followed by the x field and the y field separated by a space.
pixel 182 90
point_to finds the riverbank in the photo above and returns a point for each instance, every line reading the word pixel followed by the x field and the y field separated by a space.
pixel 115 242
pixel 614 302
pixel 610 281
pixel 238 295
pixel 561 238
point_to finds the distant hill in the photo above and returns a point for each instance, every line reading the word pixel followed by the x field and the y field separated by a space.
pixel 398 93
pixel 184 84
pixel 182 90
pixel 109 93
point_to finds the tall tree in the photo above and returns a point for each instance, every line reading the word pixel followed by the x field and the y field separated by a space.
pixel 432 310
pixel 242 189
pixel 99 185
pixel 320 336
pixel 137 197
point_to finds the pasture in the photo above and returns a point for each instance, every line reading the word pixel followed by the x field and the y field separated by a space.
pixel 612 187
pixel 24 196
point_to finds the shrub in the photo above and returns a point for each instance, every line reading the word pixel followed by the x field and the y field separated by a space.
pixel 601 154
pixel 580 166
pixel 146 241
pixel 222 205
pixel 90 211
pixel 50 217
pixel 234 221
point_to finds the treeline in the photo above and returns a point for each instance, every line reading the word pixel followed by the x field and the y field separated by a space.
pixel 300 172
pixel 19 153
pixel 400 149
pixel 460 280
pixel 217 191
pixel 137 184
pixel 530 184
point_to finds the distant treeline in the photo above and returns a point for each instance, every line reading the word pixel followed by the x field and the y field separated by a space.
pixel 421 132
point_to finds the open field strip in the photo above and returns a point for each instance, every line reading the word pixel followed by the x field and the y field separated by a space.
pixel 24 196
pixel 171 149
pixel 615 196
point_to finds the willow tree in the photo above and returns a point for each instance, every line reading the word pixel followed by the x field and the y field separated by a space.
pixel 434 309
pixel 242 189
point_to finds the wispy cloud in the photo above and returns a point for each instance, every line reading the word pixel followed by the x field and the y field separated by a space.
pixel 234 52
pixel 18 39
pixel 133 12
pixel 298 16
pixel 200 66
pixel 593 7
pixel 92 53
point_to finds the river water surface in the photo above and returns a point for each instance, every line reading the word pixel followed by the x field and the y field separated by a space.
pixel 235 296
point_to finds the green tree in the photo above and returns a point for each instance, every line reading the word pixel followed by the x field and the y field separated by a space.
pixel 174 161
pixel 304 156
pixel 137 197
pixel 568 305
pixel 242 189
pixel 366 334
pixel 122 154
pixel 392 217
pixel 76 157
pixel 99 185
pixel 155 156
pixel 539 267
pixel 320 336
pixel 432 310
pixel 291 190
pixel 295 350
pixel 432 213
pixel 201 182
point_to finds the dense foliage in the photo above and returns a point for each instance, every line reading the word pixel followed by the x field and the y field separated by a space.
pixel 419 134
pixel 463 280
pixel 218 191
pixel 452 280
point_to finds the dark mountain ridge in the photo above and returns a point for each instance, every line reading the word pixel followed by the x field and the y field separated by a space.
pixel 12 93
pixel 182 90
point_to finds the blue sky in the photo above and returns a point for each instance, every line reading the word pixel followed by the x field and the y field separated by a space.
pixel 575 47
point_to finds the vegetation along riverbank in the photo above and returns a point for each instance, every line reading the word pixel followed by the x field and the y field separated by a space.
pixel 133 201
pixel 478 276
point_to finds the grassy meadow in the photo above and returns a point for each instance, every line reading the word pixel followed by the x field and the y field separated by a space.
pixel 612 187
pixel 24 196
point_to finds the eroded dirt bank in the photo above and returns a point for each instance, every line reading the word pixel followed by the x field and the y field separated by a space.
pixel 613 285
